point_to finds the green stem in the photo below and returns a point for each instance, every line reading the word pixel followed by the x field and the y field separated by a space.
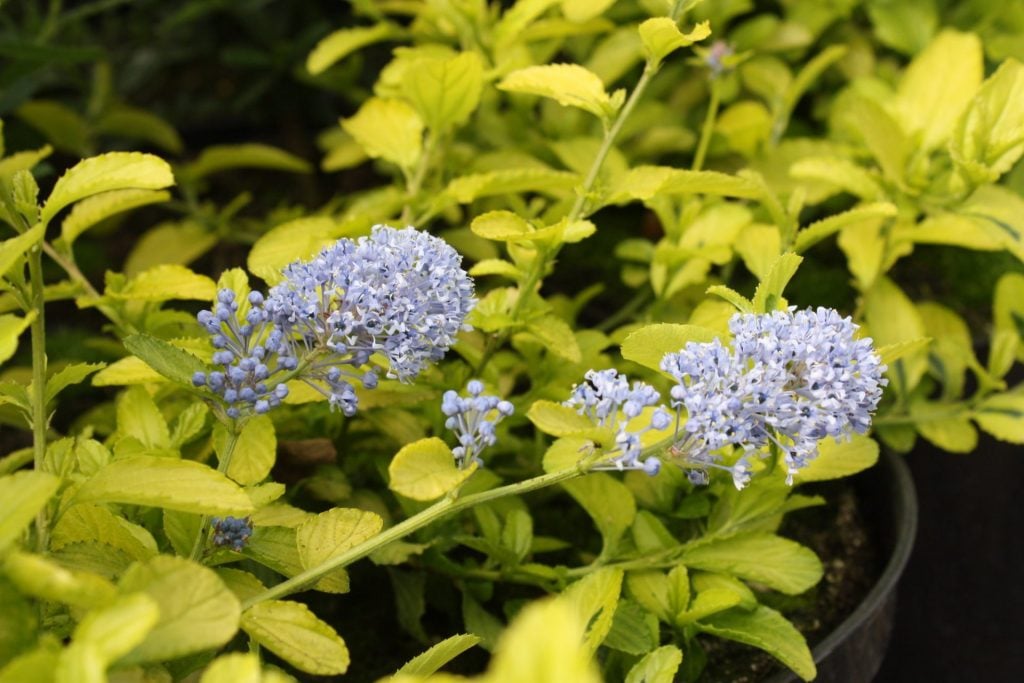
pixel 225 461
pixel 579 208
pixel 445 507
pixel 39 419
pixel 415 183
pixel 67 263
pixel 709 125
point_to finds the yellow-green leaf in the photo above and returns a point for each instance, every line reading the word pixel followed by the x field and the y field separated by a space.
pixel 768 295
pixel 249 155
pixel 255 451
pixel 938 85
pixel 657 666
pixel 387 129
pixel 989 138
pixel 445 91
pixel 776 562
pixel 425 470
pixel 41 577
pixel 332 533
pixel 92 210
pixel 558 420
pixel 595 597
pixel 661 36
pixel 11 327
pixel 165 282
pixel 840 459
pixel 291 631
pixel 295 240
pixel 501 225
pixel 111 171
pixel 22 495
pixel 169 483
pixel 768 630
pixel 121 625
pixel 649 344
pixel 557 336
pixel 197 611
pixel 11 250
pixel 339 44
pixel 570 85
pixel 1002 416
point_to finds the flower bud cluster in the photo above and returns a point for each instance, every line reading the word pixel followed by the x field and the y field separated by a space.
pixel 473 418
pixel 607 398
pixel 233 532
pixel 791 379
pixel 252 356
pixel 398 293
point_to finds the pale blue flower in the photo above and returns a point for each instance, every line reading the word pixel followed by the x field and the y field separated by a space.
pixel 607 398
pixel 791 379
pixel 473 419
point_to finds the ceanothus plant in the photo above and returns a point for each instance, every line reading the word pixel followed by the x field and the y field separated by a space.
pixel 152 540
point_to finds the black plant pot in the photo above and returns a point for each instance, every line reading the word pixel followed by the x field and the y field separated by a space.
pixel 853 652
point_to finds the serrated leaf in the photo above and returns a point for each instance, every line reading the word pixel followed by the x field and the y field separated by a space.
pixel 11 327
pixel 557 336
pixel 468 188
pixel 180 243
pixel 649 344
pixel 334 532
pixel 842 174
pixel 501 226
pixel 139 417
pixel 570 85
pixel 1002 416
pixel 989 139
pixel 86 522
pixel 776 562
pixel 432 660
pixel 646 182
pixel 543 644
pixel 425 470
pixel 339 44
pixel 91 210
pixel 254 453
pixel 768 295
pixel 595 597
pixel 657 666
pixel 277 548
pixel 170 361
pixel 197 611
pixel 768 630
pixel 220 158
pixel 42 578
pixel 139 124
pixel 495 267
pixel 23 161
pixel 22 495
pixel 892 318
pixel 634 630
pixel 70 374
pixel 235 667
pixel 294 240
pixel 608 502
pixel 840 459
pixel 165 282
pixel 937 86
pixel 292 632
pixel 819 230
pixel 58 123
pixel 558 420
pixel 122 625
pixel 130 370
pixel 169 483
pixel 11 250
pixel 444 91
pixel 387 129
pixel 106 172
pixel 661 36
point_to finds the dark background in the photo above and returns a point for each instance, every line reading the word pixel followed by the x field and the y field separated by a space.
pixel 960 606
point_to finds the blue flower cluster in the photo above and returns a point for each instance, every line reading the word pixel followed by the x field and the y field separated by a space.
pixel 473 419
pixel 791 379
pixel 399 293
pixel 607 398
pixel 232 532
pixel 253 356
